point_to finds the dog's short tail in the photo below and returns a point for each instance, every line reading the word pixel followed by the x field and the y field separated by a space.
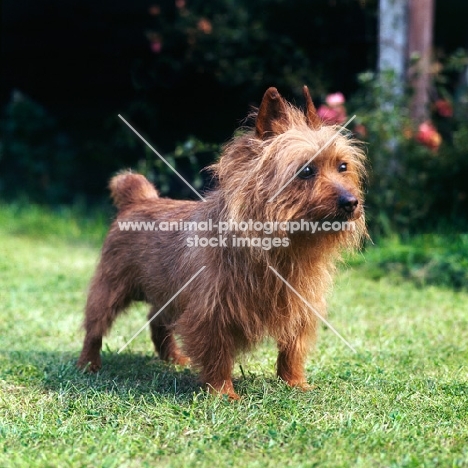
pixel 128 188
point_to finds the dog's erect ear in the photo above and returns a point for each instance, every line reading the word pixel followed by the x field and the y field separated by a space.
pixel 313 120
pixel 272 118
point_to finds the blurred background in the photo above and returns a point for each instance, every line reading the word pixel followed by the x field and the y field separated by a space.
pixel 186 72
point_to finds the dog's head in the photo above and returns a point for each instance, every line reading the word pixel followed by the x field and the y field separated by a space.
pixel 292 166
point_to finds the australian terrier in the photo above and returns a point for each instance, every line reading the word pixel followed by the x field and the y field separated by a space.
pixel 223 297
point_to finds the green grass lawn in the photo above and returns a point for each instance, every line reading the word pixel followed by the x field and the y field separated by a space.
pixel 401 401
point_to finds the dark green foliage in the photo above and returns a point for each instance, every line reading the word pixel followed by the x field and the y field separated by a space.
pixel 231 43
pixel 411 187
pixel 425 259
pixel 190 159
pixel 36 159
pixel 201 66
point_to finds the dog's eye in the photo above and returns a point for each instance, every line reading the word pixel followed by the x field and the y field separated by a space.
pixel 307 172
pixel 343 167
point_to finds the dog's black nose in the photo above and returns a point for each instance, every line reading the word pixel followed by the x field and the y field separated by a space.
pixel 348 203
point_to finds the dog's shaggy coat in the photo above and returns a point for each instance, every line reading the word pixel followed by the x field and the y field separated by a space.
pixel 237 299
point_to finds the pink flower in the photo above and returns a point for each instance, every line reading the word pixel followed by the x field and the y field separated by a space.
pixel 429 136
pixel 332 115
pixel 444 108
pixel 180 4
pixel 335 99
pixel 156 46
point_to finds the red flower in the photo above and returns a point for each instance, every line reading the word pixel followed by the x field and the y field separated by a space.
pixel 332 115
pixel 154 10
pixel 429 136
pixel 205 26
pixel 444 108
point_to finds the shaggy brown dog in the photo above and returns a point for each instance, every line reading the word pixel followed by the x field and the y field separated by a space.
pixel 237 299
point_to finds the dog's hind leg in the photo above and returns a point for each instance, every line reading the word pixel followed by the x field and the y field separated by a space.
pixel 103 305
pixel 164 341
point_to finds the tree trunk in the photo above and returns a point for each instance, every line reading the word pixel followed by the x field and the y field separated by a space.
pixel 393 26
pixel 421 21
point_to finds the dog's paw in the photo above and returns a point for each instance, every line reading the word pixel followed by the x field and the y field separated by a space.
pixel 224 389
pixel 181 360
pixel 89 366
pixel 301 385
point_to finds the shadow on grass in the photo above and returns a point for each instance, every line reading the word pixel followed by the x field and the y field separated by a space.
pixel 124 374
pixel 129 376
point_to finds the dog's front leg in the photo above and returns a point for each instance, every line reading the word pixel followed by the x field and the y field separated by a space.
pixel 211 348
pixel 291 360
